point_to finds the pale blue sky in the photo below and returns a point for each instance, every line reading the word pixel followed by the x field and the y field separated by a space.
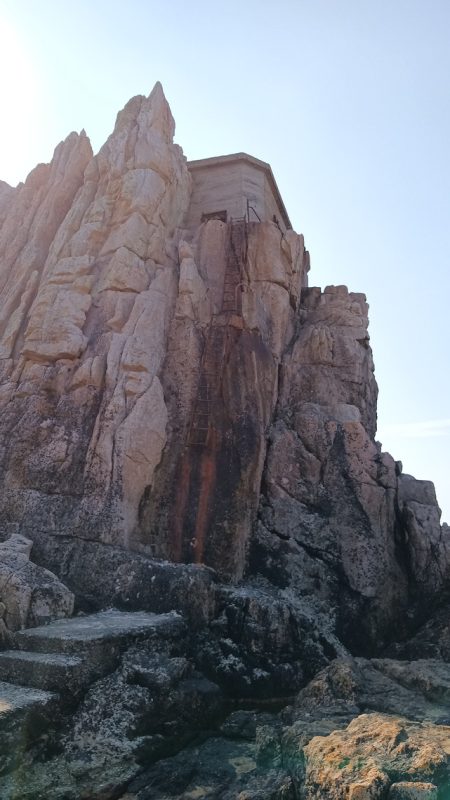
pixel 349 102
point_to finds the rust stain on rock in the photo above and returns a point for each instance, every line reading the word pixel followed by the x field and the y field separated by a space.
pixel 208 471
pixel 182 497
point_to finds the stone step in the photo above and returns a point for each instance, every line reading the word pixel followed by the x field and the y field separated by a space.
pixel 48 671
pixel 25 716
pixel 97 638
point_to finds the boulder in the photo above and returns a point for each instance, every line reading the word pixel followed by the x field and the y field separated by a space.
pixel 30 595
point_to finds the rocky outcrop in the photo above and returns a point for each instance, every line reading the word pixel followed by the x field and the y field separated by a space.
pixel 29 594
pixel 359 761
pixel 264 644
pixel 89 287
pixel 396 747
pixel 239 289
pixel 187 427
pixel 337 521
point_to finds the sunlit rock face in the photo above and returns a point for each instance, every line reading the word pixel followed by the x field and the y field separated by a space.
pixel 89 279
pixel 180 392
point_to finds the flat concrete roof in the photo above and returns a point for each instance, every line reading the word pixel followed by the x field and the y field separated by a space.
pixel 204 163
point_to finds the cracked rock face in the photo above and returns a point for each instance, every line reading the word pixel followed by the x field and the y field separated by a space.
pixel 336 521
pixel 88 289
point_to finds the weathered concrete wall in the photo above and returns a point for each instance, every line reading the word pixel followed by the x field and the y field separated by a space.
pixel 216 189
pixel 227 185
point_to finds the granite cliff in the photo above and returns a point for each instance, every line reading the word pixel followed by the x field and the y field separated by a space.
pixel 187 436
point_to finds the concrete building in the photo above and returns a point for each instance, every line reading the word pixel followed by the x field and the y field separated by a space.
pixel 235 187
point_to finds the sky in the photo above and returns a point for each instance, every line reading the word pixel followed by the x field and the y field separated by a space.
pixel 348 100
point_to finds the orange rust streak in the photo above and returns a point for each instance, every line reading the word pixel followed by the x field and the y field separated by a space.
pixel 207 483
pixel 180 506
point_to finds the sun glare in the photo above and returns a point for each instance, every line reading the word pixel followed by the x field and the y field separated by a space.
pixel 19 97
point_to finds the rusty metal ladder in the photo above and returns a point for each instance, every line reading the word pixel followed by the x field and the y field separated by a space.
pixel 208 390
pixel 237 253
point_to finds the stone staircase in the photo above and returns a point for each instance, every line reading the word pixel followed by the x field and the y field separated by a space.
pixel 50 666
pixel 25 715
pixel 51 672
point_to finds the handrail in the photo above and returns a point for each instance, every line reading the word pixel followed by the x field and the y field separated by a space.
pixel 250 208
